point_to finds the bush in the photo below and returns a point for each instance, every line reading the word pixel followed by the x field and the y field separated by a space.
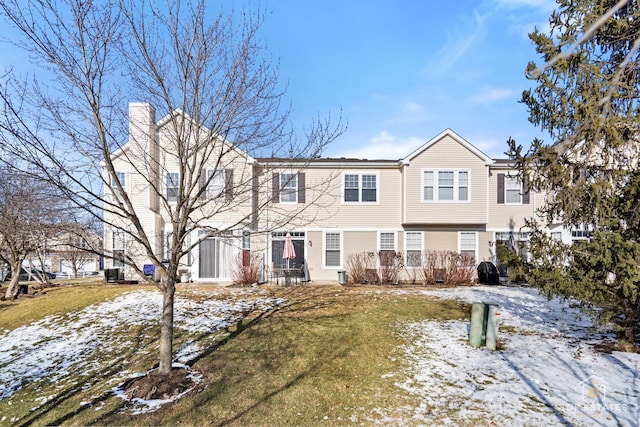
pixel 390 265
pixel 245 270
pixel 366 267
pixel 357 266
pixel 447 268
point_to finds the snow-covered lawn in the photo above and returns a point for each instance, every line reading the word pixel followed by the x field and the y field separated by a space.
pixel 54 353
pixel 546 372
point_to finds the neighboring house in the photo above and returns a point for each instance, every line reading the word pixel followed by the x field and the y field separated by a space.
pixel 75 253
pixel 446 195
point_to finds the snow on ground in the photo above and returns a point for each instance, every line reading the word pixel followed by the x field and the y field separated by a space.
pixel 58 348
pixel 545 372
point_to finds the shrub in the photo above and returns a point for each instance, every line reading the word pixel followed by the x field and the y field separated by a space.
pixel 447 268
pixel 390 265
pixel 363 268
pixel 357 266
pixel 244 270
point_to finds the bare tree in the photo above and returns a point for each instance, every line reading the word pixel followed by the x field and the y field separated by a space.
pixel 209 76
pixel 77 246
pixel 29 213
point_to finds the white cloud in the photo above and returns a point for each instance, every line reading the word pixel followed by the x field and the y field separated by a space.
pixel 541 5
pixel 490 94
pixel 413 107
pixel 456 46
pixel 491 147
pixel 523 16
pixel 384 146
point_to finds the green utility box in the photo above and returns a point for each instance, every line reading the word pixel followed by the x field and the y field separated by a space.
pixel 484 325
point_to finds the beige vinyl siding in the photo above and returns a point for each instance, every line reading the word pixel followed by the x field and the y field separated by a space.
pixel 486 249
pixel 505 216
pixel 353 241
pixel 446 154
pixel 383 213
pixel 325 204
pixel 441 241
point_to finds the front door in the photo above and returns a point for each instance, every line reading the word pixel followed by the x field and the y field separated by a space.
pixel 207 264
pixel 277 249
pixel 217 258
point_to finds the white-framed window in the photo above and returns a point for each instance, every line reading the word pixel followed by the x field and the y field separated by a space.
pixel 387 240
pixel 360 188
pixel 172 183
pixel 580 234
pixel 288 187
pixel 215 178
pixel 468 243
pixel 246 240
pixel 333 249
pixel 512 189
pixel 387 247
pixel 515 241
pixel 414 245
pixel 118 242
pixel 445 185
pixel 121 177
pixel 463 185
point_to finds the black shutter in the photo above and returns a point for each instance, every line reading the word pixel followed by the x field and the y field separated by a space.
pixel 301 188
pixel 275 188
pixel 500 188
pixel 254 201
pixel 525 190
pixel 228 184
pixel 202 181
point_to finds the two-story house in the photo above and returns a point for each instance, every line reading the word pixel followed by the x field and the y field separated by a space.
pixel 445 195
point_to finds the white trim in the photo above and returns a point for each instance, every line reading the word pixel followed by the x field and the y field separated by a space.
pixel 360 173
pixel 295 174
pixel 476 244
pixel 456 185
pixel 395 240
pixel 406 249
pixel 166 187
pixel 510 177
pixel 448 132
pixel 324 250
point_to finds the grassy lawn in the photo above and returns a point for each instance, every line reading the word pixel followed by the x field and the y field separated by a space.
pixel 324 358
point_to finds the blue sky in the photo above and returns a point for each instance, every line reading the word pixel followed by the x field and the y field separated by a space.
pixel 402 71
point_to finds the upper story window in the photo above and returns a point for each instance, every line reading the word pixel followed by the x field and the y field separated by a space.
pixel 215 178
pixel 172 183
pixel 120 177
pixel 512 189
pixel 288 188
pixel 360 188
pixel 445 185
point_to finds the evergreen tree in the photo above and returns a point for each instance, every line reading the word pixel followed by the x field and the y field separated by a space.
pixel 586 99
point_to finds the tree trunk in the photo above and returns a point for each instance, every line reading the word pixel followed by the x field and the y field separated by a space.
pixel 166 328
pixel 12 290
